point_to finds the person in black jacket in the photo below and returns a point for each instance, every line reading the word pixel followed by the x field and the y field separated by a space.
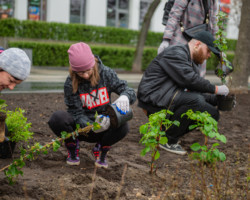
pixel 87 90
pixel 172 81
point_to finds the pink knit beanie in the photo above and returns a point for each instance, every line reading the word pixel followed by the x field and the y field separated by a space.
pixel 81 57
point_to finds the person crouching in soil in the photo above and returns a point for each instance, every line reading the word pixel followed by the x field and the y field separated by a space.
pixel 87 90
pixel 172 81
pixel 14 69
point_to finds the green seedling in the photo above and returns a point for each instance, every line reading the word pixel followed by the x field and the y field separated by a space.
pixel 13 170
pixel 154 134
pixel 221 44
pixel 208 127
pixel 18 126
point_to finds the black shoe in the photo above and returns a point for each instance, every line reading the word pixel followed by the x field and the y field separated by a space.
pixel 173 148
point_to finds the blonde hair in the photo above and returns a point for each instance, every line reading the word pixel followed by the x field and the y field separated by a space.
pixel 76 80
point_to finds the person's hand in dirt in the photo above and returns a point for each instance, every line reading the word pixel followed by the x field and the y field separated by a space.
pixel 104 122
pixel 122 104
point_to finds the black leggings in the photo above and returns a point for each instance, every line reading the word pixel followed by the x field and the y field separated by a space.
pixel 63 121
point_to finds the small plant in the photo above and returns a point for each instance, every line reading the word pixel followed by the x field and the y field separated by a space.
pixel 18 126
pixel 13 170
pixel 154 134
pixel 221 44
pixel 208 126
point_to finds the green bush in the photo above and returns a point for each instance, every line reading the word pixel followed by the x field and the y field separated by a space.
pixel 55 54
pixel 79 32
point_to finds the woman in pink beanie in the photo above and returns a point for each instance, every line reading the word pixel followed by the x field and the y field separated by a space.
pixel 87 90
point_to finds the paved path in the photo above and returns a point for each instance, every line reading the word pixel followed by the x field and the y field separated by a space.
pixel 51 79
pixel 59 75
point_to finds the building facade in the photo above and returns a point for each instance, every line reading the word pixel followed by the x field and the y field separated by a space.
pixel 116 13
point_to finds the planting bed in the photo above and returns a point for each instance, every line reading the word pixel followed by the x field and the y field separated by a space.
pixel 49 177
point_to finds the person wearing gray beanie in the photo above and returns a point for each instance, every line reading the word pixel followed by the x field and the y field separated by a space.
pixel 14 68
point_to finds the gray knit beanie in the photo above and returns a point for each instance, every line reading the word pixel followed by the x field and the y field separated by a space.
pixel 16 62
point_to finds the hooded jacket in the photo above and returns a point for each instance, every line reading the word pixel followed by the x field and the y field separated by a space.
pixel 88 100
pixel 169 74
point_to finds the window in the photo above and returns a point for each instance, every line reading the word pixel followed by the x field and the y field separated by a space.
pixel 117 13
pixel 6 9
pixel 37 10
pixel 77 11
pixel 144 5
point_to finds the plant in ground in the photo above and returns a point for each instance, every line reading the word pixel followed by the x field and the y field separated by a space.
pixel 31 152
pixel 208 127
pixel 154 134
pixel 224 66
pixel 18 126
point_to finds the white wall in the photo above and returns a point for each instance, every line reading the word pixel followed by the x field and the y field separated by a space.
pixel 58 11
pixel 134 14
pixel 96 12
pixel 156 20
pixel 21 9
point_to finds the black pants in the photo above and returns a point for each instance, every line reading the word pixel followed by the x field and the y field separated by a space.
pixel 63 121
pixel 186 101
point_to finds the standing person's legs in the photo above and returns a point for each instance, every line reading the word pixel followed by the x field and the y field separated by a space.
pixel 186 101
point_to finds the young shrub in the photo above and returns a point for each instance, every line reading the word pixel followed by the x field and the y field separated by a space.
pixel 221 44
pixel 18 126
pixel 154 134
pixel 208 127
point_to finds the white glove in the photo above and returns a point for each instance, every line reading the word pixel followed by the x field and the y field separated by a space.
pixel 104 122
pixel 222 90
pixel 122 104
pixel 163 45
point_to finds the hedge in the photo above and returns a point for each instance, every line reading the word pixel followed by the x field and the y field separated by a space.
pixel 79 32
pixel 55 54
pixel 73 32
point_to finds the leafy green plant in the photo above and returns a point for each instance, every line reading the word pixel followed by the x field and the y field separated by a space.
pixel 18 126
pixel 13 170
pixel 2 105
pixel 221 43
pixel 154 134
pixel 208 126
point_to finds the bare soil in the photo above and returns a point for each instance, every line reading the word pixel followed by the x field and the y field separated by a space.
pixel 177 177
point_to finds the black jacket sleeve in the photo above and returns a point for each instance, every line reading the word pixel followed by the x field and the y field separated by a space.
pixel 183 71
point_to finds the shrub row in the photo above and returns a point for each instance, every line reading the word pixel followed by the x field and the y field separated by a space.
pixel 55 54
pixel 79 32
pixel 73 32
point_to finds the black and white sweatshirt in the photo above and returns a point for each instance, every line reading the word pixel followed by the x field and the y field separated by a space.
pixel 88 100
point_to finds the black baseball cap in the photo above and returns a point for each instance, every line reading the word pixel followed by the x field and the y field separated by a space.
pixel 207 38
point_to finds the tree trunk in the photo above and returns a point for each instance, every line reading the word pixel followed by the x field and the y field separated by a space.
pixel 242 55
pixel 136 67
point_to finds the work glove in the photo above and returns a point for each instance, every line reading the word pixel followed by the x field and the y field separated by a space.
pixel 163 45
pixel 122 104
pixel 222 90
pixel 104 122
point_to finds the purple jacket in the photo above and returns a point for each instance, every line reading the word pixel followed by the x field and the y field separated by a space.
pixel 191 14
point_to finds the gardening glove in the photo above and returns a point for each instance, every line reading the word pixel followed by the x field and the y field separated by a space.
pixel 104 122
pixel 163 45
pixel 221 90
pixel 122 104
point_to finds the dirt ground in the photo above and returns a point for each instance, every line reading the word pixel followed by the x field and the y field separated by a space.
pixel 49 177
